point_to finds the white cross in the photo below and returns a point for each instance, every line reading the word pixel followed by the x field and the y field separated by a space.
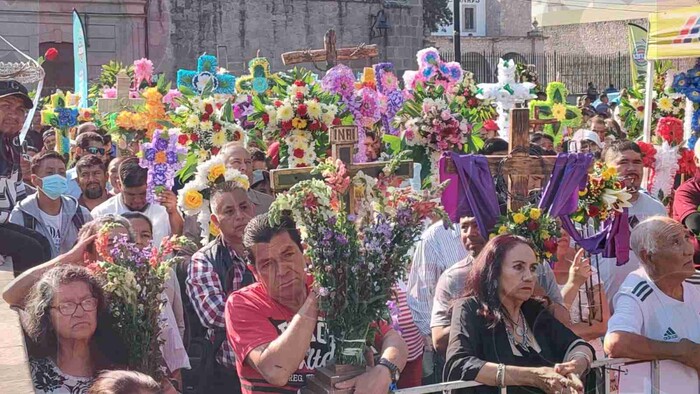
pixel 122 102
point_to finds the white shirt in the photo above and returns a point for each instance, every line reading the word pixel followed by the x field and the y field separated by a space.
pixel 643 309
pixel 53 225
pixel 613 275
pixel 155 212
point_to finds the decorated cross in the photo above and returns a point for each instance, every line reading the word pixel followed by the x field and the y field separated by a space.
pixel 555 112
pixel 330 54
pixel 518 166
pixel 122 102
pixel 259 81
pixel 506 93
pixel 343 140
pixel 206 71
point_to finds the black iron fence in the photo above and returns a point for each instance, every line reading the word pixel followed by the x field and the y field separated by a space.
pixel 573 70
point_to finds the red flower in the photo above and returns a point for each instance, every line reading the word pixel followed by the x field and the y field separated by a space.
pixel 216 127
pixel 300 96
pixel 648 154
pixel 473 102
pixel 204 117
pixel 237 135
pixel 194 137
pixel 182 139
pixel 301 110
pixel 299 153
pixel 533 225
pixel 51 54
pixel 686 163
pixel 286 126
pixel 314 126
pixel 670 129
pixel 300 83
pixel 550 245
pixel 215 151
pixel 336 122
pixel 593 211
pixel 219 105
pixel 208 109
pixel 278 103
pixel 266 118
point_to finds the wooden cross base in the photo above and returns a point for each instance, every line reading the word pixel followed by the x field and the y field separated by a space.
pixel 325 379
pixel 330 54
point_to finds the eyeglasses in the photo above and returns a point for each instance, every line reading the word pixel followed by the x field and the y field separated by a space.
pixel 95 151
pixel 69 308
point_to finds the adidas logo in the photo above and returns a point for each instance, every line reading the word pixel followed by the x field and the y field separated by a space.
pixel 670 334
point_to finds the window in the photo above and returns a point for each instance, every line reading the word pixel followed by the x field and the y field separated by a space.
pixel 469 19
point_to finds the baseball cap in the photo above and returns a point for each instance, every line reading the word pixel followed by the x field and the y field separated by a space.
pixel 14 88
pixel 583 135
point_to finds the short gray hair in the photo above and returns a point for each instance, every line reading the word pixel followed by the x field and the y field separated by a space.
pixel 645 236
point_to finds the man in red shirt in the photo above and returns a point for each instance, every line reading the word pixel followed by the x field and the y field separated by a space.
pixel 274 325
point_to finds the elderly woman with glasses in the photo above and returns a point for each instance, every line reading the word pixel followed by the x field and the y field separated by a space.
pixel 67 319
pixel 500 336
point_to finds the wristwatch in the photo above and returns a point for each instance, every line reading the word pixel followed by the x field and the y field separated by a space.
pixel 393 369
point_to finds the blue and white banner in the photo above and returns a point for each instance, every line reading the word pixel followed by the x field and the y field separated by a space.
pixel 80 60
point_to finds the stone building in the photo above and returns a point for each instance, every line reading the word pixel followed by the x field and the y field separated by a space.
pixel 173 33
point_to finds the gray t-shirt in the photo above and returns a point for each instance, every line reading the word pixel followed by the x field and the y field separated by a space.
pixel 453 281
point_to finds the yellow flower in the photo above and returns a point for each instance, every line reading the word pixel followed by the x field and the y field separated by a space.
pixel 285 113
pixel 216 171
pixel 559 111
pixel 125 120
pixel 535 213
pixel 460 100
pixel 218 139
pixel 583 192
pixel 152 96
pixel 192 121
pixel 548 255
pixel 298 123
pixel 193 199
pixel 519 218
pixel 46 116
pixel 502 230
pixel 665 104
pixel 609 173
pixel 544 234
pixel 206 126
pixel 203 155
pixel 492 236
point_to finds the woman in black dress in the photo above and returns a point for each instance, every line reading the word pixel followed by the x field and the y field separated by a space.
pixel 500 336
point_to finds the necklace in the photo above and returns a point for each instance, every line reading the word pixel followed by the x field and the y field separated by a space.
pixel 521 330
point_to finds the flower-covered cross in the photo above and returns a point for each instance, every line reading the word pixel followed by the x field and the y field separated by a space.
pixel 163 157
pixel 259 81
pixel 61 113
pixel 556 109
pixel 506 93
pixel 207 71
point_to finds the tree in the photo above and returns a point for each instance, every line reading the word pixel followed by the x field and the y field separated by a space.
pixel 436 13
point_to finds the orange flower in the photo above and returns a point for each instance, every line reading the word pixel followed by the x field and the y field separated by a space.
pixel 161 157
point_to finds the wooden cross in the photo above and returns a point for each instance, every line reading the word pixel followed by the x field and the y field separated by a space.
pixel 343 140
pixel 518 166
pixel 330 54
pixel 122 102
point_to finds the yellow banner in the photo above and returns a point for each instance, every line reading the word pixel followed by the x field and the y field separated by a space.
pixel 638 52
pixel 674 34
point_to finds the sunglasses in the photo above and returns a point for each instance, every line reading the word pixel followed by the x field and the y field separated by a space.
pixel 95 151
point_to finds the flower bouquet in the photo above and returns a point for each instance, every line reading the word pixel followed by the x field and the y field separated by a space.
pixel 388 87
pixel 298 115
pixel 163 157
pixel 463 100
pixel 193 198
pixel 535 225
pixel 603 197
pixel 668 158
pixel 355 259
pixel 133 280
pixel 61 113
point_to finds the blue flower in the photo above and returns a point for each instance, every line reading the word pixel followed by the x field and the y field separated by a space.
pixel 172 157
pixel 695 124
pixel 67 117
pixel 428 71
pixel 150 154
pixel 160 168
pixel 160 179
pixel 692 141
pixel 161 144
pixel 693 95
pixel 681 82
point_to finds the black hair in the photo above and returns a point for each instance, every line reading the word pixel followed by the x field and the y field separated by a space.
pixel 137 215
pixel 259 230
pixel 537 137
pixel 90 161
pixel 492 145
pixel 83 140
pixel 46 155
pixel 131 174
pixel 619 146
pixel 256 154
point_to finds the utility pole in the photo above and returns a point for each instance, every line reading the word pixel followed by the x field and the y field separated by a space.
pixel 457 37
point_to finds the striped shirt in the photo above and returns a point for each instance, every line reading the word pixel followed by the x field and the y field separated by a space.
pixel 409 331
pixel 438 249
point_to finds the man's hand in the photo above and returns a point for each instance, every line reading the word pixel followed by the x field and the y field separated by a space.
pixel 168 200
pixel 580 269
pixel 375 381
pixel 691 357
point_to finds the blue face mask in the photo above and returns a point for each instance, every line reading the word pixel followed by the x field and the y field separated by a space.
pixel 54 186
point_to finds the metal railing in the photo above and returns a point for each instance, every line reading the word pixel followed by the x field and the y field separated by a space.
pixel 605 364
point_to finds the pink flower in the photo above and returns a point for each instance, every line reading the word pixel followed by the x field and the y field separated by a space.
pixel 169 98
pixel 134 94
pixel 143 71
pixel 109 93
pixel 446 115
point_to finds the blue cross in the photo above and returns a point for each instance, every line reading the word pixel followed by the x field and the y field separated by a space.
pixel 206 70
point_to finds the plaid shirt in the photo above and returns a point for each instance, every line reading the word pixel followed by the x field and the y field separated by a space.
pixel 209 300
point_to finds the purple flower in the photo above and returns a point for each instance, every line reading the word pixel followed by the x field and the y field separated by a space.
pixel 160 168
pixel 172 157
pixel 339 80
pixel 341 239
pixel 150 154
pixel 160 179
pixel 161 144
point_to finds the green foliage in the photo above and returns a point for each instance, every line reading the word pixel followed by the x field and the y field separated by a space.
pixel 436 13
pixel 108 77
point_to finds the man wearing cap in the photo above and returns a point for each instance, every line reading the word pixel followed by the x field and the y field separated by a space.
pixel 26 247
pixel 586 141
pixel 49 139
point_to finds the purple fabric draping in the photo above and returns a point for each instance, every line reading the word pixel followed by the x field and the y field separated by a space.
pixel 450 195
pixel 476 193
pixel 560 199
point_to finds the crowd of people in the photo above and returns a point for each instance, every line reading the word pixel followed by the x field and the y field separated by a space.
pixel 240 315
